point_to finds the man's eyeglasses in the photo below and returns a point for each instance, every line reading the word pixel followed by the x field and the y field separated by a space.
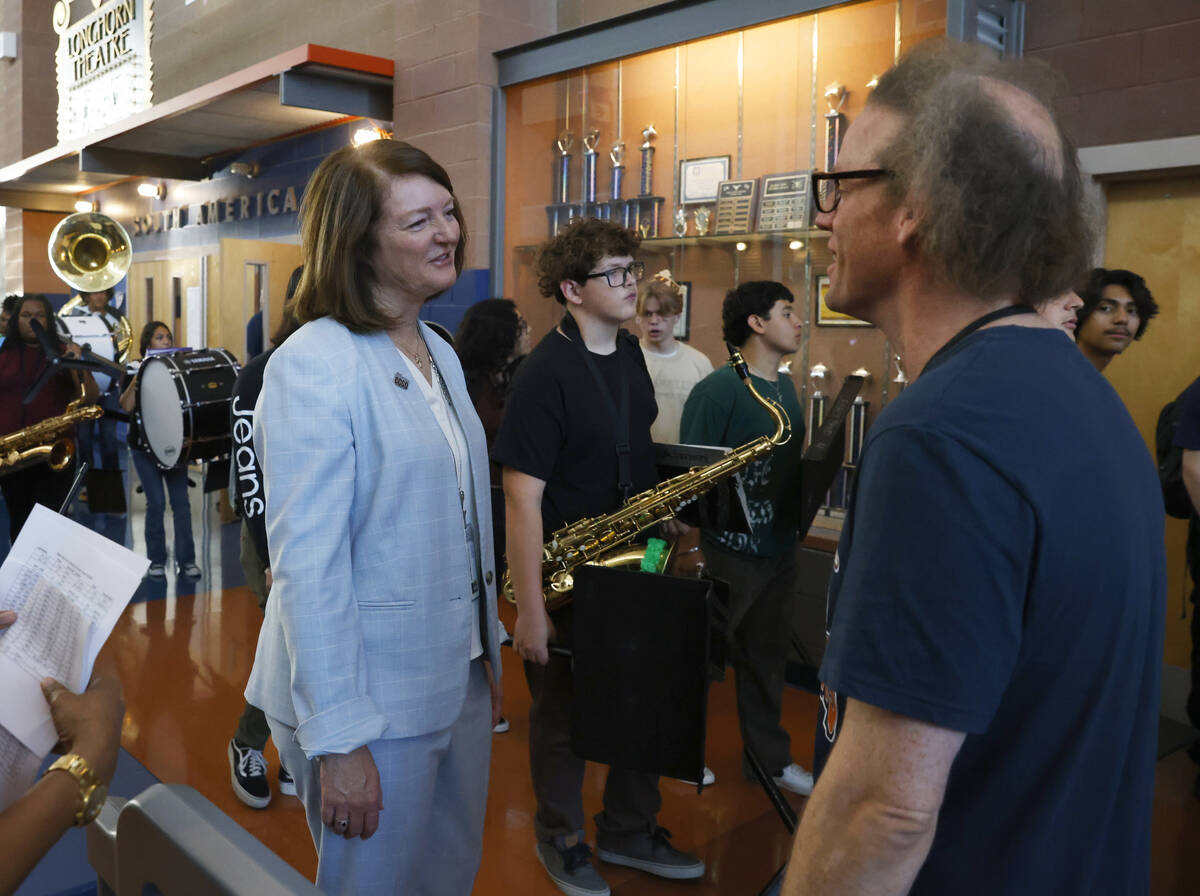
pixel 616 276
pixel 827 190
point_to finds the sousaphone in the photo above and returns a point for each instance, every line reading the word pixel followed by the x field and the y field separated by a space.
pixel 91 252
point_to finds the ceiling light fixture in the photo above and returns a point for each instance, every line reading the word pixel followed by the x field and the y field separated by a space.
pixel 245 169
pixel 152 190
pixel 369 133
pixel 84 205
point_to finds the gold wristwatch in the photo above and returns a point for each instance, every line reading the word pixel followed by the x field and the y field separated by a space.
pixel 92 791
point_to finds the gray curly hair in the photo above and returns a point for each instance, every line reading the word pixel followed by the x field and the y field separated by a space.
pixel 992 177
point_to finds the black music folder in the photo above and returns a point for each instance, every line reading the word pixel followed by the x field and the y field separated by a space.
pixel 640 643
pixel 721 507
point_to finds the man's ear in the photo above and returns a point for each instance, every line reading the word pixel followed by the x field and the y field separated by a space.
pixel 906 223
pixel 570 290
pixel 756 322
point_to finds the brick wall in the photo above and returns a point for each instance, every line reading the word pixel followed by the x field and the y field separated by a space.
pixel 28 89
pixel 1132 68
pixel 445 75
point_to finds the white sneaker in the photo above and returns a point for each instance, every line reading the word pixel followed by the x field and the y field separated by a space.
pixel 709 778
pixel 795 779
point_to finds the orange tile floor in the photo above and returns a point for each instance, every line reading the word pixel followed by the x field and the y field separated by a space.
pixel 183 660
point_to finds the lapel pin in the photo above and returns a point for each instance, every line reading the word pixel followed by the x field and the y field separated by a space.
pixel 400 381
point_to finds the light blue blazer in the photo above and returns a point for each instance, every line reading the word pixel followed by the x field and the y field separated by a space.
pixel 368 627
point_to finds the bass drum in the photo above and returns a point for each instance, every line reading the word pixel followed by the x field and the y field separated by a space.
pixel 183 402
pixel 91 330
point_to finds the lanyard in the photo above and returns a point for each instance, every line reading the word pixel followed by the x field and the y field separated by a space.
pixel 619 418
pixel 999 313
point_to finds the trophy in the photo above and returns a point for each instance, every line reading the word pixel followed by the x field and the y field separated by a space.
pixel 617 156
pixel 680 222
pixel 647 160
pixel 901 378
pixel 835 96
pixel 703 216
pixel 818 402
pixel 590 139
pixel 563 186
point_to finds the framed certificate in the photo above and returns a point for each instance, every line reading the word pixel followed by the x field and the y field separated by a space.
pixel 698 179
pixel 784 202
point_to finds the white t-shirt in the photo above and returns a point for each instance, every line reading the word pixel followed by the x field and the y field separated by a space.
pixel 673 376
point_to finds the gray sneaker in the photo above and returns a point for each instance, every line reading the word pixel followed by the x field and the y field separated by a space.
pixel 570 868
pixel 651 852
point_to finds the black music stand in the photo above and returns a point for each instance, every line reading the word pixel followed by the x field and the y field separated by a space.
pixel 640 646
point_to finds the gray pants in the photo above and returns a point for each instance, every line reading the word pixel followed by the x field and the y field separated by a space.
pixel 631 799
pixel 761 597
pixel 430 837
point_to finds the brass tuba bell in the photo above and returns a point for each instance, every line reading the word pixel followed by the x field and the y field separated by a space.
pixel 91 252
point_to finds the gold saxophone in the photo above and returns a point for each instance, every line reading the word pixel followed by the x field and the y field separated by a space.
pixel 596 540
pixel 50 441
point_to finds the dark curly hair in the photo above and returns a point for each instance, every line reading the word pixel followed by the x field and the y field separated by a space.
pixel 487 336
pixel 1138 291
pixel 755 297
pixel 572 254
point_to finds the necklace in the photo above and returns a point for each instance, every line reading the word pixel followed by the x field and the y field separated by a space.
pixel 416 358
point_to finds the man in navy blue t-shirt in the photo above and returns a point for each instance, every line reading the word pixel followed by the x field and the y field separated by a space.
pixel 997 604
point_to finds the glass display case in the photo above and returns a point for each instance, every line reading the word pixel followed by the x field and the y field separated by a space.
pixel 705 148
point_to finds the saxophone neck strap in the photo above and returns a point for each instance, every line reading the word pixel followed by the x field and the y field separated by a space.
pixel 618 416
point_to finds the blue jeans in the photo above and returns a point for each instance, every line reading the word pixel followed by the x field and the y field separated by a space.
pixel 176 480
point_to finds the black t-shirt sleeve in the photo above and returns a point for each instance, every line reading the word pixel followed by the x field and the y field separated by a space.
pixel 533 429
pixel 1187 430
pixel 930 604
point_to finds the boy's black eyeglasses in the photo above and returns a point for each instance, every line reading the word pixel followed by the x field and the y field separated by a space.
pixel 826 188
pixel 616 276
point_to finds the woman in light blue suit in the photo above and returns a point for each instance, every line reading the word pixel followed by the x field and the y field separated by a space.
pixel 381 635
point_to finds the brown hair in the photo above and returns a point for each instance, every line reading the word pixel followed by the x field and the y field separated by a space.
pixel 338 215
pixel 148 332
pixel 571 254
pixel 665 291
pixel 987 168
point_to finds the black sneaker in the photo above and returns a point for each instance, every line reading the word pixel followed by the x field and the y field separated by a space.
pixel 248 772
pixel 286 784
pixel 651 852
pixel 570 867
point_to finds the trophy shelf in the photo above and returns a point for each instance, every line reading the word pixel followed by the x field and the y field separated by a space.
pixel 724 241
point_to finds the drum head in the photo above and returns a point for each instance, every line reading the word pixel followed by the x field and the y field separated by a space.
pixel 161 411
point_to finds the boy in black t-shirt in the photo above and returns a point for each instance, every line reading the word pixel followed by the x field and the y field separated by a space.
pixel 558 448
